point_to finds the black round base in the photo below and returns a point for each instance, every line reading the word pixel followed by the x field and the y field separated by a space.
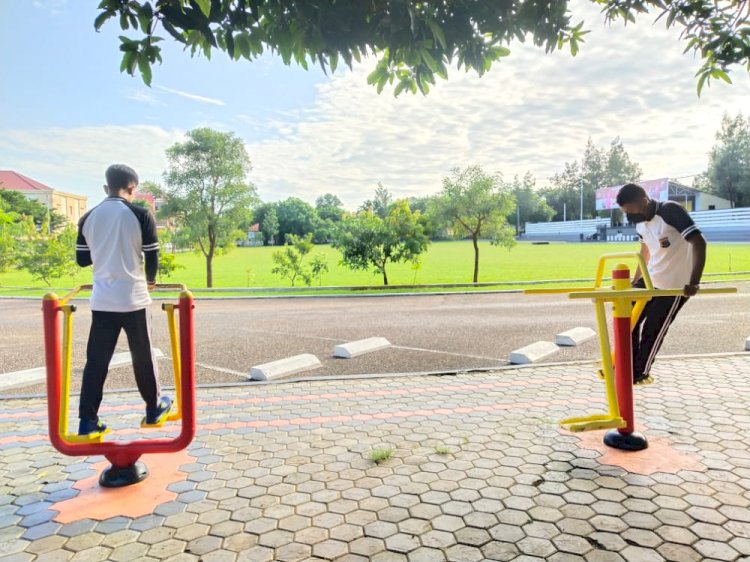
pixel 115 477
pixel 625 441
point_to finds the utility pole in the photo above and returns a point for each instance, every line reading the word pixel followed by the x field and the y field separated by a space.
pixel 581 204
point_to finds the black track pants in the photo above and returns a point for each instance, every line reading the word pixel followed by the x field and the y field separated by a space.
pixel 649 332
pixel 105 329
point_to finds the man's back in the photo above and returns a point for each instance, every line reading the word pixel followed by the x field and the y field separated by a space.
pixel 116 233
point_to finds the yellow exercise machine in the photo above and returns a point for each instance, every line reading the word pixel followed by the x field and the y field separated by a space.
pixel 617 367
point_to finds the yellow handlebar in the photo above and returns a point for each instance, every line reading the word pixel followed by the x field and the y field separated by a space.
pixel 645 293
pixel 157 287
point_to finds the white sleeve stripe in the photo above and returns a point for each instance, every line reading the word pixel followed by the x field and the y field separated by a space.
pixel 688 230
pixel 153 246
pixel 78 247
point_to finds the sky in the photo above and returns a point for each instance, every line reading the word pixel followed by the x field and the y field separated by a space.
pixel 66 111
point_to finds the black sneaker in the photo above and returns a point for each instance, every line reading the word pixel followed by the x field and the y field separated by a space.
pixel 90 427
pixel 157 416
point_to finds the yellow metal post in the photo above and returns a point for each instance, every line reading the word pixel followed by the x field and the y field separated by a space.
pixel 176 367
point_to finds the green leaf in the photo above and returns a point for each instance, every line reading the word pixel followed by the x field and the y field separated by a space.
pixel 429 60
pixel 145 67
pixel 101 19
pixel 718 73
pixel 243 44
pixel 437 32
pixel 375 75
pixel 205 6
pixel 333 61
pixel 126 60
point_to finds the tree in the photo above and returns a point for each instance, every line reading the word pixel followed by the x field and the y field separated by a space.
pixel 475 204
pixel 366 240
pixel 49 257
pixel 8 236
pixel 295 217
pixel 207 192
pixel 577 183
pixel 270 226
pixel 620 169
pixel 289 260
pixel 17 202
pixel 728 173
pixel 380 204
pixel 329 207
pixel 318 266
pixel 414 41
pixel 530 206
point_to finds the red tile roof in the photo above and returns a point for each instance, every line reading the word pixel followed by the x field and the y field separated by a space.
pixel 18 182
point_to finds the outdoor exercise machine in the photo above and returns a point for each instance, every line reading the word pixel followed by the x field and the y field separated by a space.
pixel 617 367
pixel 126 469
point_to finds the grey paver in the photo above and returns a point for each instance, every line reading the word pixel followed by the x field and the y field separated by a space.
pixel 512 488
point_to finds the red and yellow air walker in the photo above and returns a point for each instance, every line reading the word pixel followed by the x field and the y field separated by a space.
pixel 126 469
pixel 617 367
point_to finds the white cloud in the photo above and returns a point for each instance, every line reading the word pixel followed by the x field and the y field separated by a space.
pixel 530 112
pixel 74 160
pixel 54 7
pixel 145 96
pixel 194 97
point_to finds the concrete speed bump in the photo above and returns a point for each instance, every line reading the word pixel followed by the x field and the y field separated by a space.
pixel 284 367
pixel 28 377
pixel 533 353
pixel 573 337
pixel 359 347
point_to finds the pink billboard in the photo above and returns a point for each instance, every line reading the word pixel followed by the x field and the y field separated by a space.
pixel 606 197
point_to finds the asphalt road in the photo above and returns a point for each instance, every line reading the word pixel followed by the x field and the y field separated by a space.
pixel 428 333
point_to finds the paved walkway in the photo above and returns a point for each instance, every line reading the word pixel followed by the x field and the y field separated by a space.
pixel 478 470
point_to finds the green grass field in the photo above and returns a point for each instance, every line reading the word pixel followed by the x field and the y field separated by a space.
pixel 445 262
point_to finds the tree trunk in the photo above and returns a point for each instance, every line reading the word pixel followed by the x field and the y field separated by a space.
pixel 476 258
pixel 209 270
pixel 385 276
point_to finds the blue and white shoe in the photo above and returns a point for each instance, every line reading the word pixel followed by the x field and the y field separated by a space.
pixel 155 417
pixel 91 428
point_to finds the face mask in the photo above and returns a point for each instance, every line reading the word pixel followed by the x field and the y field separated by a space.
pixel 636 217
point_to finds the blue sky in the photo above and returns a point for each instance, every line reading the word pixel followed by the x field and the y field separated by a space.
pixel 67 111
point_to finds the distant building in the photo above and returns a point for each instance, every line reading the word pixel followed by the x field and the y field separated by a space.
pixel 254 236
pixel 69 205
pixel 666 190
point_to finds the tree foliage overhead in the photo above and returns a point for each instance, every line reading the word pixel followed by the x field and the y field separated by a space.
pixel 414 41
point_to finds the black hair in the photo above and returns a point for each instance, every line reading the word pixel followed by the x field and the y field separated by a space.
pixel 630 193
pixel 120 176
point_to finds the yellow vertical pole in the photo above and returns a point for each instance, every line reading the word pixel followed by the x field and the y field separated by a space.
pixel 607 367
pixel 67 349
pixel 176 366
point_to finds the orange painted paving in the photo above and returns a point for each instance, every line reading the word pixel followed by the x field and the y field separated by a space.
pixel 97 502
pixel 660 456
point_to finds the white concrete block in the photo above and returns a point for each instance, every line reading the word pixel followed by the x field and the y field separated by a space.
pixel 28 377
pixel 123 358
pixel 747 344
pixel 284 367
pixel 533 353
pixel 574 336
pixel 359 347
